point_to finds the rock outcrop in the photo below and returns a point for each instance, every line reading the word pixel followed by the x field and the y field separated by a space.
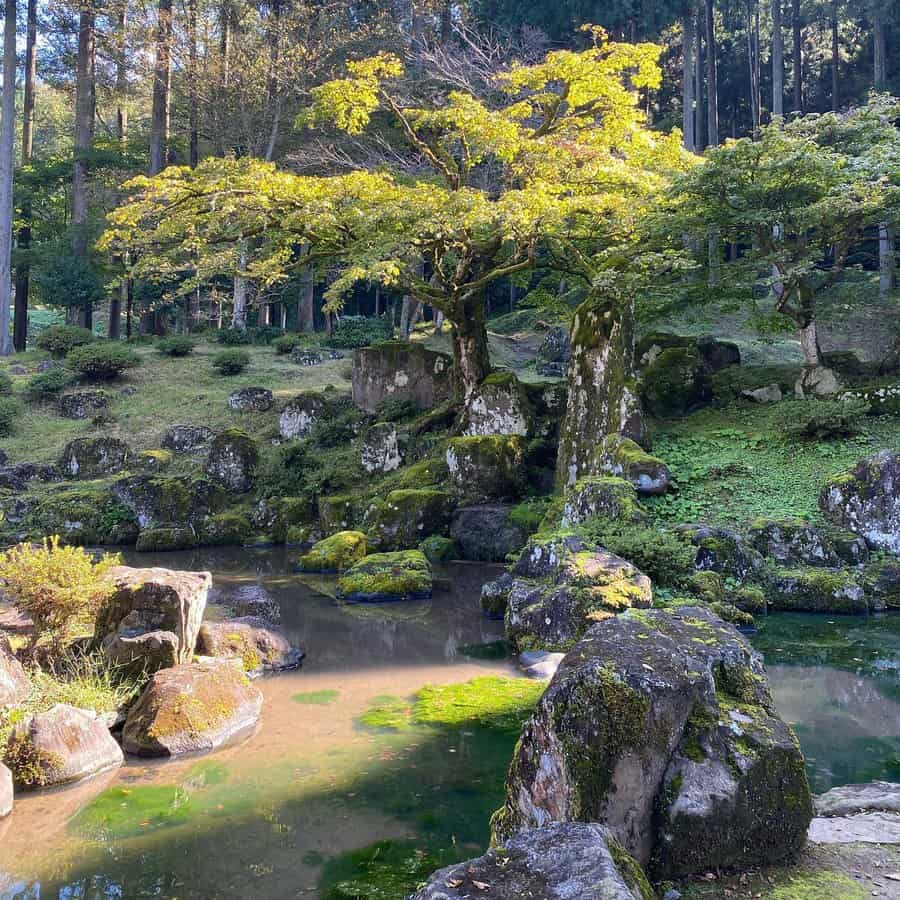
pixel 82 404
pixel 499 405
pixel 858 813
pixel 251 399
pixel 59 746
pixel 93 457
pixel 381 450
pixel 487 467
pixel 795 542
pixel 395 370
pixel 300 415
pixel 867 500
pixel 182 439
pixel 406 517
pixel 626 459
pixel 568 861
pixel 487 533
pixel 14 683
pixel 192 708
pixel 601 497
pixel 661 726
pixel 259 645
pixel 232 461
pixel 816 589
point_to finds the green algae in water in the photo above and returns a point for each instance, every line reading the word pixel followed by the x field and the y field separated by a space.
pixel 123 812
pixel 490 701
pixel 316 698
pixel 387 712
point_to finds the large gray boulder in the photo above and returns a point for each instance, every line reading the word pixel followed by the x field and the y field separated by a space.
pixel 93 457
pixel 152 619
pixel 499 405
pixel 561 586
pixel 723 550
pixel 605 497
pixel 487 533
pixel 486 467
pixel 566 861
pixel 866 499
pixel 858 813
pixel 59 746
pixel 14 683
pixel 258 644
pixel 232 460
pixel 82 404
pixel 396 370
pixel 661 726
pixel 192 708
pixel 187 438
pixel 797 542
pixel 300 414
pixel 6 791
pixel 381 449
pixel 251 399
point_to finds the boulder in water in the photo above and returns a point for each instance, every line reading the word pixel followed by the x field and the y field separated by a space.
pixel 796 542
pixel 406 517
pixel 259 645
pixel 487 533
pixel 403 575
pixel 335 553
pixel 810 589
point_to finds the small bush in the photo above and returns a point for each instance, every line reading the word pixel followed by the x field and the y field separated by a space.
pixel 287 342
pixel 6 384
pixel 822 420
pixel 46 385
pixel 233 337
pixel 264 335
pixel 60 588
pixel 231 362
pixel 10 412
pixel 102 361
pixel 395 409
pixel 58 340
pixel 176 345
pixel 353 332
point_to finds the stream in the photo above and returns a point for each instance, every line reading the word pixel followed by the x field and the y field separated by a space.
pixel 313 798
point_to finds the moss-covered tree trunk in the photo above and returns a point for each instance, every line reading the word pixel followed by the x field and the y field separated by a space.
pixel 602 396
pixel 470 346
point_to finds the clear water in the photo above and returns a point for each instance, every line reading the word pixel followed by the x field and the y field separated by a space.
pixel 314 805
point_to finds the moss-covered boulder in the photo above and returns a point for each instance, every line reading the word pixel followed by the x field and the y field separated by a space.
pixel 499 405
pixel 156 459
pixel 14 684
pixel 866 499
pixel 88 514
pixel 406 517
pixel 232 461
pixel 487 533
pixel 723 550
pixel 626 459
pixel 662 726
pixel 82 404
pixel 487 467
pixel 495 596
pixel 191 708
pixel 259 645
pixel 225 529
pixel 300 414
pixel 335 553
pixel 674 382
pixel 796 542
pixel 93 457
pixel 381 449
pixel 402 575
pixel 251 399
pixel 817 590
pixel 179 500
pixel 161 538
pixel 337 512
pixel 397 370
pixel 439 549
pixel 564 860
pixel 59 746
pixel 882 583
pixel 601 497
pixel 184 439
pixel 561 586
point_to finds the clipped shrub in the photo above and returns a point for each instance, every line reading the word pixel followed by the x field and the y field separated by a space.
pixel 58 340
pixel 10 411
pixel 102 361
pixel 176 345
pixel 353 332
pixel 233 337
pixel 46 385
pixel 231 362
pixel 287 342
pixel 822 420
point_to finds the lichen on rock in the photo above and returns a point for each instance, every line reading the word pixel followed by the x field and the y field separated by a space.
pixel 401 575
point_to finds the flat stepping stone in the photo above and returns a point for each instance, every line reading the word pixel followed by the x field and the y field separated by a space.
pixel 864 828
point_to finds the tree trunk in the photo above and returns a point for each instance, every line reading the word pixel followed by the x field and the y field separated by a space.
pixel 835 59
pixel 699 118
pixel 116 302
pixel 470 347
pixel 753 63
pixel 7 140
pixel 193 75
pixel 879 53
pixel 438 321
pixel 712 89
pixel 407 316
pixel 306 309
pixel 687 86
pixel 777 60
pixel 85 111
pixel 809 344
pixel 162 89
pixel 20 317
pixel 886 259
pixel 241 289
pixel 798 55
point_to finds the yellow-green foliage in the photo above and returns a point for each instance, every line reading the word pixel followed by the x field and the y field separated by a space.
pixel 58 587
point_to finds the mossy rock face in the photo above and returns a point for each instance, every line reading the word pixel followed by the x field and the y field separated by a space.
pixel 495 596
pixel 569 859
pixel 499 405
pixel 337 513
pixel 561 586
pixel 723 550
pixel 227 529
pixel 192 708
pixel 662 725
pixel 183 439
pixel 405 517
pixel 626 459
pixel 232 461
pixel 300 414
pixel 166 537
pixel 155 460
pixel 882 582
pixel 259 645
pixel 866 500
pixel 674 382
pixel 438 549
pixel 486 468
pixel 749 599
pixel 83 515
pixel 168 500
pixel 381 448
pixel 403 575
pixel 818 590
pixel 794 542
pixel 335 553
pixel 93 457
pixel 601 497
pixel 708 586
pixel 82 404
pixel 487 533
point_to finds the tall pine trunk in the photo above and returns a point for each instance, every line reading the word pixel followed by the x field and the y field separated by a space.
pixel 712 128
pixel 162 88
pixel 699 119
pixel 687 86
pixel 835 59
pixel 886 259
pixel 193 100
pixel 879 51
pixel 7 140
pixel 470 345
pixel 797 26
pixel 777 60
pixel 116 301
pixel 20 317
pixel 85 111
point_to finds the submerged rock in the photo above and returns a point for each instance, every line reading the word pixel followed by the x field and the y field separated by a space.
pixel 14 683
pixel 866 500
pixel 404 575
pixel 258 644
pixel 232 461
pixel 187 438
pixel 400 371
pixel 601 497
pixel 300 414
pixel 59 746
pixel 567 861
pixel 661 726
pixel 82 404
pixel 6 791
pixel 335 553
pixel 487 533
pixel 254 600
pixel 561 586
pixel 191 708
pixel 487 467
pixel 93 457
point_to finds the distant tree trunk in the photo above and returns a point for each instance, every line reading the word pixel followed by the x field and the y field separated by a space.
pixel 85 111
pixel 446 21
pixel 20 317
pixel 809 344
pixel 753 63
pixel 193 75
pixel 886 259
pixel 879 49
pixel 438 321
pixel 7 140
pixel 407 316
pixel 687 85
pixel 699 118
pixel 835 59
pixel 274 93
pixel 798 55
pixel 306 310
pixel 470 346
pixel 115 303
pixel 777 60
pixel 241 290
pixel 162 89
pixel 712 89
pixel 513 295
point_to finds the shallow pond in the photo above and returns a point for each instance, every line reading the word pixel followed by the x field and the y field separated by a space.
pixel 316 804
